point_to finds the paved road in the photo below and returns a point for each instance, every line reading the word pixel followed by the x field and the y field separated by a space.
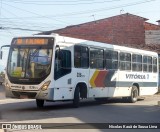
pixel 2 94
pixel 90 111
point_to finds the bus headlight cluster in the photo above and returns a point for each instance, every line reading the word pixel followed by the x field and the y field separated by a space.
pixel 45 86
pixel 7 85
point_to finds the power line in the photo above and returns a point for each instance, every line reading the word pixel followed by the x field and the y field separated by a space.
pixel 86 11
pixel 89 11
pixel 35 13
pixel 52 16
pixel 22 29
pixel 78 13
pixel 104 9
pixel 59 1
pixel 130 4
pixel 67 3
pixel 22 22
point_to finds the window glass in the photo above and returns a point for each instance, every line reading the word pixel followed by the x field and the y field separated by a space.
pixel 96 58
pixel 147 64
pixel 125 61
pixel 62 64
pixel 111 59
pixel 139 58
pixel 81 57
pixel 144 59
pixel 134 58
pixel 154 64
pixel 149 60
pixel 136 62
pixel 125 56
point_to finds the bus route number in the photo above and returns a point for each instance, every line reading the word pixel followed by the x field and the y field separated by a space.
pixel 80 74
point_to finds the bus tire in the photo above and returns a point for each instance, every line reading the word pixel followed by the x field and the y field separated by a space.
pixel 40 103
pixel 76 99
pixel 134 95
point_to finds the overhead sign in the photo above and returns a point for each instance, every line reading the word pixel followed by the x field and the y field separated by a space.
pixel 30 41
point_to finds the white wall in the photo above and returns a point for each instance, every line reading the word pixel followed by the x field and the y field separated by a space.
pixel 152 36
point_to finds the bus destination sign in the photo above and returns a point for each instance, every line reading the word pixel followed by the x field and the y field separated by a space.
pixel 30 41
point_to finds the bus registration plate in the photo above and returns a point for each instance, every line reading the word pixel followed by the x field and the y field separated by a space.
pixel 23 97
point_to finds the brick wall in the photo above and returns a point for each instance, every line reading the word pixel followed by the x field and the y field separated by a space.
pixel 150 26
pixel 125 29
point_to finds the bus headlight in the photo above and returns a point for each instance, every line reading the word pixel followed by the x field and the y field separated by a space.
pixel 45 86
pixel 7 85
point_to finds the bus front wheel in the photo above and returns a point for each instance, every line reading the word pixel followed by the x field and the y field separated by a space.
pixel 76 99
pixel 134 95
pixel 40 103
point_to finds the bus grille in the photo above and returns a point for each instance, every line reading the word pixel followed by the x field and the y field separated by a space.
pixel 28 94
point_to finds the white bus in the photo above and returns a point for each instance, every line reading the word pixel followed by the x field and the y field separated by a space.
pixel 58 68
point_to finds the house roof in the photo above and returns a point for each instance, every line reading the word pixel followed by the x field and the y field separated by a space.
pixel 151 26
pixel 97 21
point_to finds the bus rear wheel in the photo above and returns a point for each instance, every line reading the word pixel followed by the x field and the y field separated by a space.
pixel 40 103
pixel 134 95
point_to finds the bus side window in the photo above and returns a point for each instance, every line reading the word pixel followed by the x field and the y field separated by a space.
pixel 136 62
pixel 111 59
pixel 81 56
pixel 150 63
pixel 147 64
pixel 154 64
pixel 125 61
pixel 62 63
pixel 96 58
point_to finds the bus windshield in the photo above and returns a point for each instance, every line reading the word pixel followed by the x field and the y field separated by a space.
pixel 29 63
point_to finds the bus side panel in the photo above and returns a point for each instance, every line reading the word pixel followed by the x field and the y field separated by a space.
pixel 80 75
pixel 147 83
pixel 63 88
pixel 150 84
pixel 123 87
pixel 97 83
pixel 103 83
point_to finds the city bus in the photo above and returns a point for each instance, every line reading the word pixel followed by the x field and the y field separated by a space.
pixel 59 68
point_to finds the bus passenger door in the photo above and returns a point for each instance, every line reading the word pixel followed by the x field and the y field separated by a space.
pixel 98 74
pixel 62 75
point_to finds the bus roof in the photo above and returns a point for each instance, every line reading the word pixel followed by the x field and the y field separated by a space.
pixel 72 41
pixel 106 45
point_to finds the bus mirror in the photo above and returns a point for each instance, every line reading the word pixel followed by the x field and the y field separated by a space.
pixel 58 52
pixel 1 55
pixel 57 47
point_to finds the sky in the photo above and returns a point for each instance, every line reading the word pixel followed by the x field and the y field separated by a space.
pixel 27 17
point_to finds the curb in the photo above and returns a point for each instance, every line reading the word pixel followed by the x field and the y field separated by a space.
pixel 158 103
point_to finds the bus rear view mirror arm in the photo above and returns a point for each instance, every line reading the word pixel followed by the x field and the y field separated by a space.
pixel 1 53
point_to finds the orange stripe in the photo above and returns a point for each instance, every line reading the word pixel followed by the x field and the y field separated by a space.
pixel 99 81
pixel 92 80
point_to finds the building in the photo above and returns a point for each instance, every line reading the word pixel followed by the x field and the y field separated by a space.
pixel 152 34
pixel 125 29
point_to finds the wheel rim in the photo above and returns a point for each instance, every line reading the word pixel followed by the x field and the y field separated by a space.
pixel 135 94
